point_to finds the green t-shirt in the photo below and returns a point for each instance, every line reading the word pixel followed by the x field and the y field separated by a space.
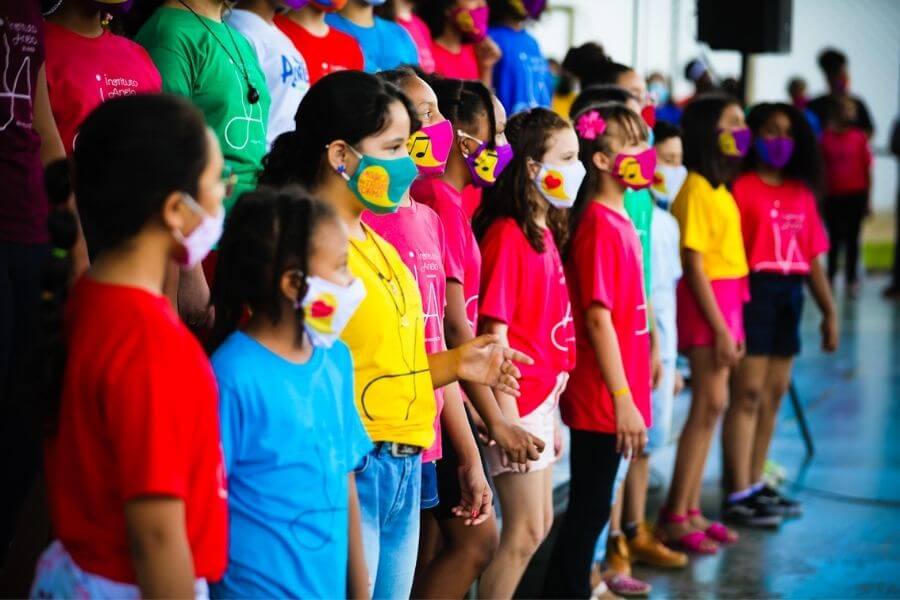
pixel 639 206
pixel 193 64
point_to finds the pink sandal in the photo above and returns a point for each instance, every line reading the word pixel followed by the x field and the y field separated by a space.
pixel 716 531
pixel 697 542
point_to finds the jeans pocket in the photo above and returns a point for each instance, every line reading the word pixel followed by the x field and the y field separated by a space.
pixel 363 464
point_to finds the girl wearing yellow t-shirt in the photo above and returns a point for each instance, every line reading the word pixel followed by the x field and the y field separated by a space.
pixel 710 304
pixel 349 149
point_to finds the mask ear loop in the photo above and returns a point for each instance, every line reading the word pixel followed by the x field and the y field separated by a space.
pixel 341 169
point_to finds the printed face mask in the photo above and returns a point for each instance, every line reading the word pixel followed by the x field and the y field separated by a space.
pixel 328 5
pixel 429 148
pixel 113 7
pixel 328 307
pixel 775 152
pixel 734 142
pixel 648 114
pixel 667 181
pixel 486 164
pixel 559 184
pixel 201 240
pixel 635 171
pixel 380 183
pixel 472 23
pixel 529 8
pixel 295 4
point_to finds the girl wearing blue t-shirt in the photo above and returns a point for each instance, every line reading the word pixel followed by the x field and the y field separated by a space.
pixel 291 435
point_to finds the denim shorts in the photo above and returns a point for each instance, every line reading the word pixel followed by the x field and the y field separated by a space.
pixel 430 497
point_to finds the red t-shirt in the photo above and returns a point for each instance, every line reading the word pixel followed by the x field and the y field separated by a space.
pixel 417 234
pixel 335 51
pixel 604 267
pixel 781 226
pixel 455 65
pixel 848 161
pixel 471 200
pixel 82 72
pixel 421 37
pixel 527 291
pixel 463 257
pixel 138 417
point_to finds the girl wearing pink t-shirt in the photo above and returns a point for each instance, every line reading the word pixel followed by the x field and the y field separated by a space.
pixel 520 226
pixel 783 238
pixel 460 46
pixel 607 404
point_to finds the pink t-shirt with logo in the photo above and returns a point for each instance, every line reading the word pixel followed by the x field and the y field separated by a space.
pixel 527 291
pixel 82 72
pixel 463 259
pixel 782 229
pixel 421 36
pixel 455 65
pixel 417 234
pixel 604 268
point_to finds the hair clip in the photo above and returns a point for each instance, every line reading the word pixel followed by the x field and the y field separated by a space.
pixel 590 125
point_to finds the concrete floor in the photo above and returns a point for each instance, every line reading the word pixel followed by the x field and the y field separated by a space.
pixel 848 543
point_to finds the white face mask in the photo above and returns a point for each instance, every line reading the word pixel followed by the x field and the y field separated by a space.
pixel 328 307
pixel 559 184
pixel 667 182
pixel 198 243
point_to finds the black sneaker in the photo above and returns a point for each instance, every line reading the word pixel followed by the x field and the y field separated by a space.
pixel 751 512
pixel 783 505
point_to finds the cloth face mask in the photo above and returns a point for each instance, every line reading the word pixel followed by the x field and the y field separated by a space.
pixel 472 23
pixel 734 143
pixel 328 6
pixel 667 182
pixel 775 152
pixel 380 183
pixel 635 171
pixel 486 164
pixel 328 307
pixel 559 184
pixel 198 243
pixel 429 148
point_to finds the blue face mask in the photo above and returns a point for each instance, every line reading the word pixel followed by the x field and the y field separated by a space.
pixel 381 183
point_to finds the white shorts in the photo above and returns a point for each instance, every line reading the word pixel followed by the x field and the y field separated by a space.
pixel 541 423
pixel 57 576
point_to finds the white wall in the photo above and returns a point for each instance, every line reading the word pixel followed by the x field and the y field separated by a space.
pixel 663 38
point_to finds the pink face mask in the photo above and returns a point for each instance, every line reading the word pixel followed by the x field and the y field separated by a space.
pixel 429 148
pixel 635 171
pixel 471 22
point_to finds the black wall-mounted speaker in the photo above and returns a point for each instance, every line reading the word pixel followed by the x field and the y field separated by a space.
pixel 751 26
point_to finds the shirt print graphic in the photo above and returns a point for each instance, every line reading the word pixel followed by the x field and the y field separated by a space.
pixel 785 228
pixel 562 335
pixel 426 268
pixel 534 69
pixel 20 39
pixel 239 129
pixel 294 73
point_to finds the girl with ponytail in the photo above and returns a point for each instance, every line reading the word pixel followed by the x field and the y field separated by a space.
pixel 133 466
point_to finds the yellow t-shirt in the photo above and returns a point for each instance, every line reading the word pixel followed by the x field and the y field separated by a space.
pixel 711 225
pixel 386 336
pixel 562 104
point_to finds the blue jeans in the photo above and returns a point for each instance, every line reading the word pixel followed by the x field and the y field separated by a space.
pixel 600 549
pixel 390 491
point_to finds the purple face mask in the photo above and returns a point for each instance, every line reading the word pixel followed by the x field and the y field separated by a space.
pixel 485 163
pixel 775 152
pixel 112 7
pixel 734 143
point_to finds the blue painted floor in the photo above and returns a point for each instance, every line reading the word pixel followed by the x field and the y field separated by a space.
pixel 848 543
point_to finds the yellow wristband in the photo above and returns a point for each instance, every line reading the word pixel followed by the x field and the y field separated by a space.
pixel 621 392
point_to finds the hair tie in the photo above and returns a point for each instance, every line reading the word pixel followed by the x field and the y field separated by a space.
pixel 590 125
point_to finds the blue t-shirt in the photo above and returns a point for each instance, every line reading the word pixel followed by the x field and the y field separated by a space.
pixel 385 45
pixel 521 77
pixel 290 436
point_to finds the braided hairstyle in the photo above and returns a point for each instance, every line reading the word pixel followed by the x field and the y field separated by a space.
pixel 268 232
pixel 514 194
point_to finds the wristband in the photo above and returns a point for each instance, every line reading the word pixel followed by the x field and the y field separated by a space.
pixel 621 392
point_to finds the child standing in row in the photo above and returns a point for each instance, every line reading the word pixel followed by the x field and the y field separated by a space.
pixel 524 299
pixel 607 406
pixel 784 239
pixel 290 432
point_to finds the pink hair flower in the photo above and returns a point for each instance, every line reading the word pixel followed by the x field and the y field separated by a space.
pixel 590 125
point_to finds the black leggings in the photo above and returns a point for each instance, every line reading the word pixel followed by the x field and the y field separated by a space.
pixel 594 462
pixel 843 218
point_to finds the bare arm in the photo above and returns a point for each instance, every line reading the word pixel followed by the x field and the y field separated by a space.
pixel 480 360
pixel 726 351
pixel 159 547
pixel 821 292
pixel 508 405
pixel 51 144
pixel 475 502
pixel 631 436
pixel 357 572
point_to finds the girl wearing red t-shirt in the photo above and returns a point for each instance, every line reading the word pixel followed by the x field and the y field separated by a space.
pixel 783 238
pixel 607 404
pixel 520 226
pixel 133 461
pixel 460 46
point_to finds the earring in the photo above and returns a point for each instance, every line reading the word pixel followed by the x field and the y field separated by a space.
pixel 342 171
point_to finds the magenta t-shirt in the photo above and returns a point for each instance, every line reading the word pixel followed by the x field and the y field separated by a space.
pixel 417 234
pixel 848 160
pixel 781 226
pixel 421 37
pixel 23 200
pixel 82 72
pixel 527 291
pixel 463 259
pixel 605 267
pixel 455 65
